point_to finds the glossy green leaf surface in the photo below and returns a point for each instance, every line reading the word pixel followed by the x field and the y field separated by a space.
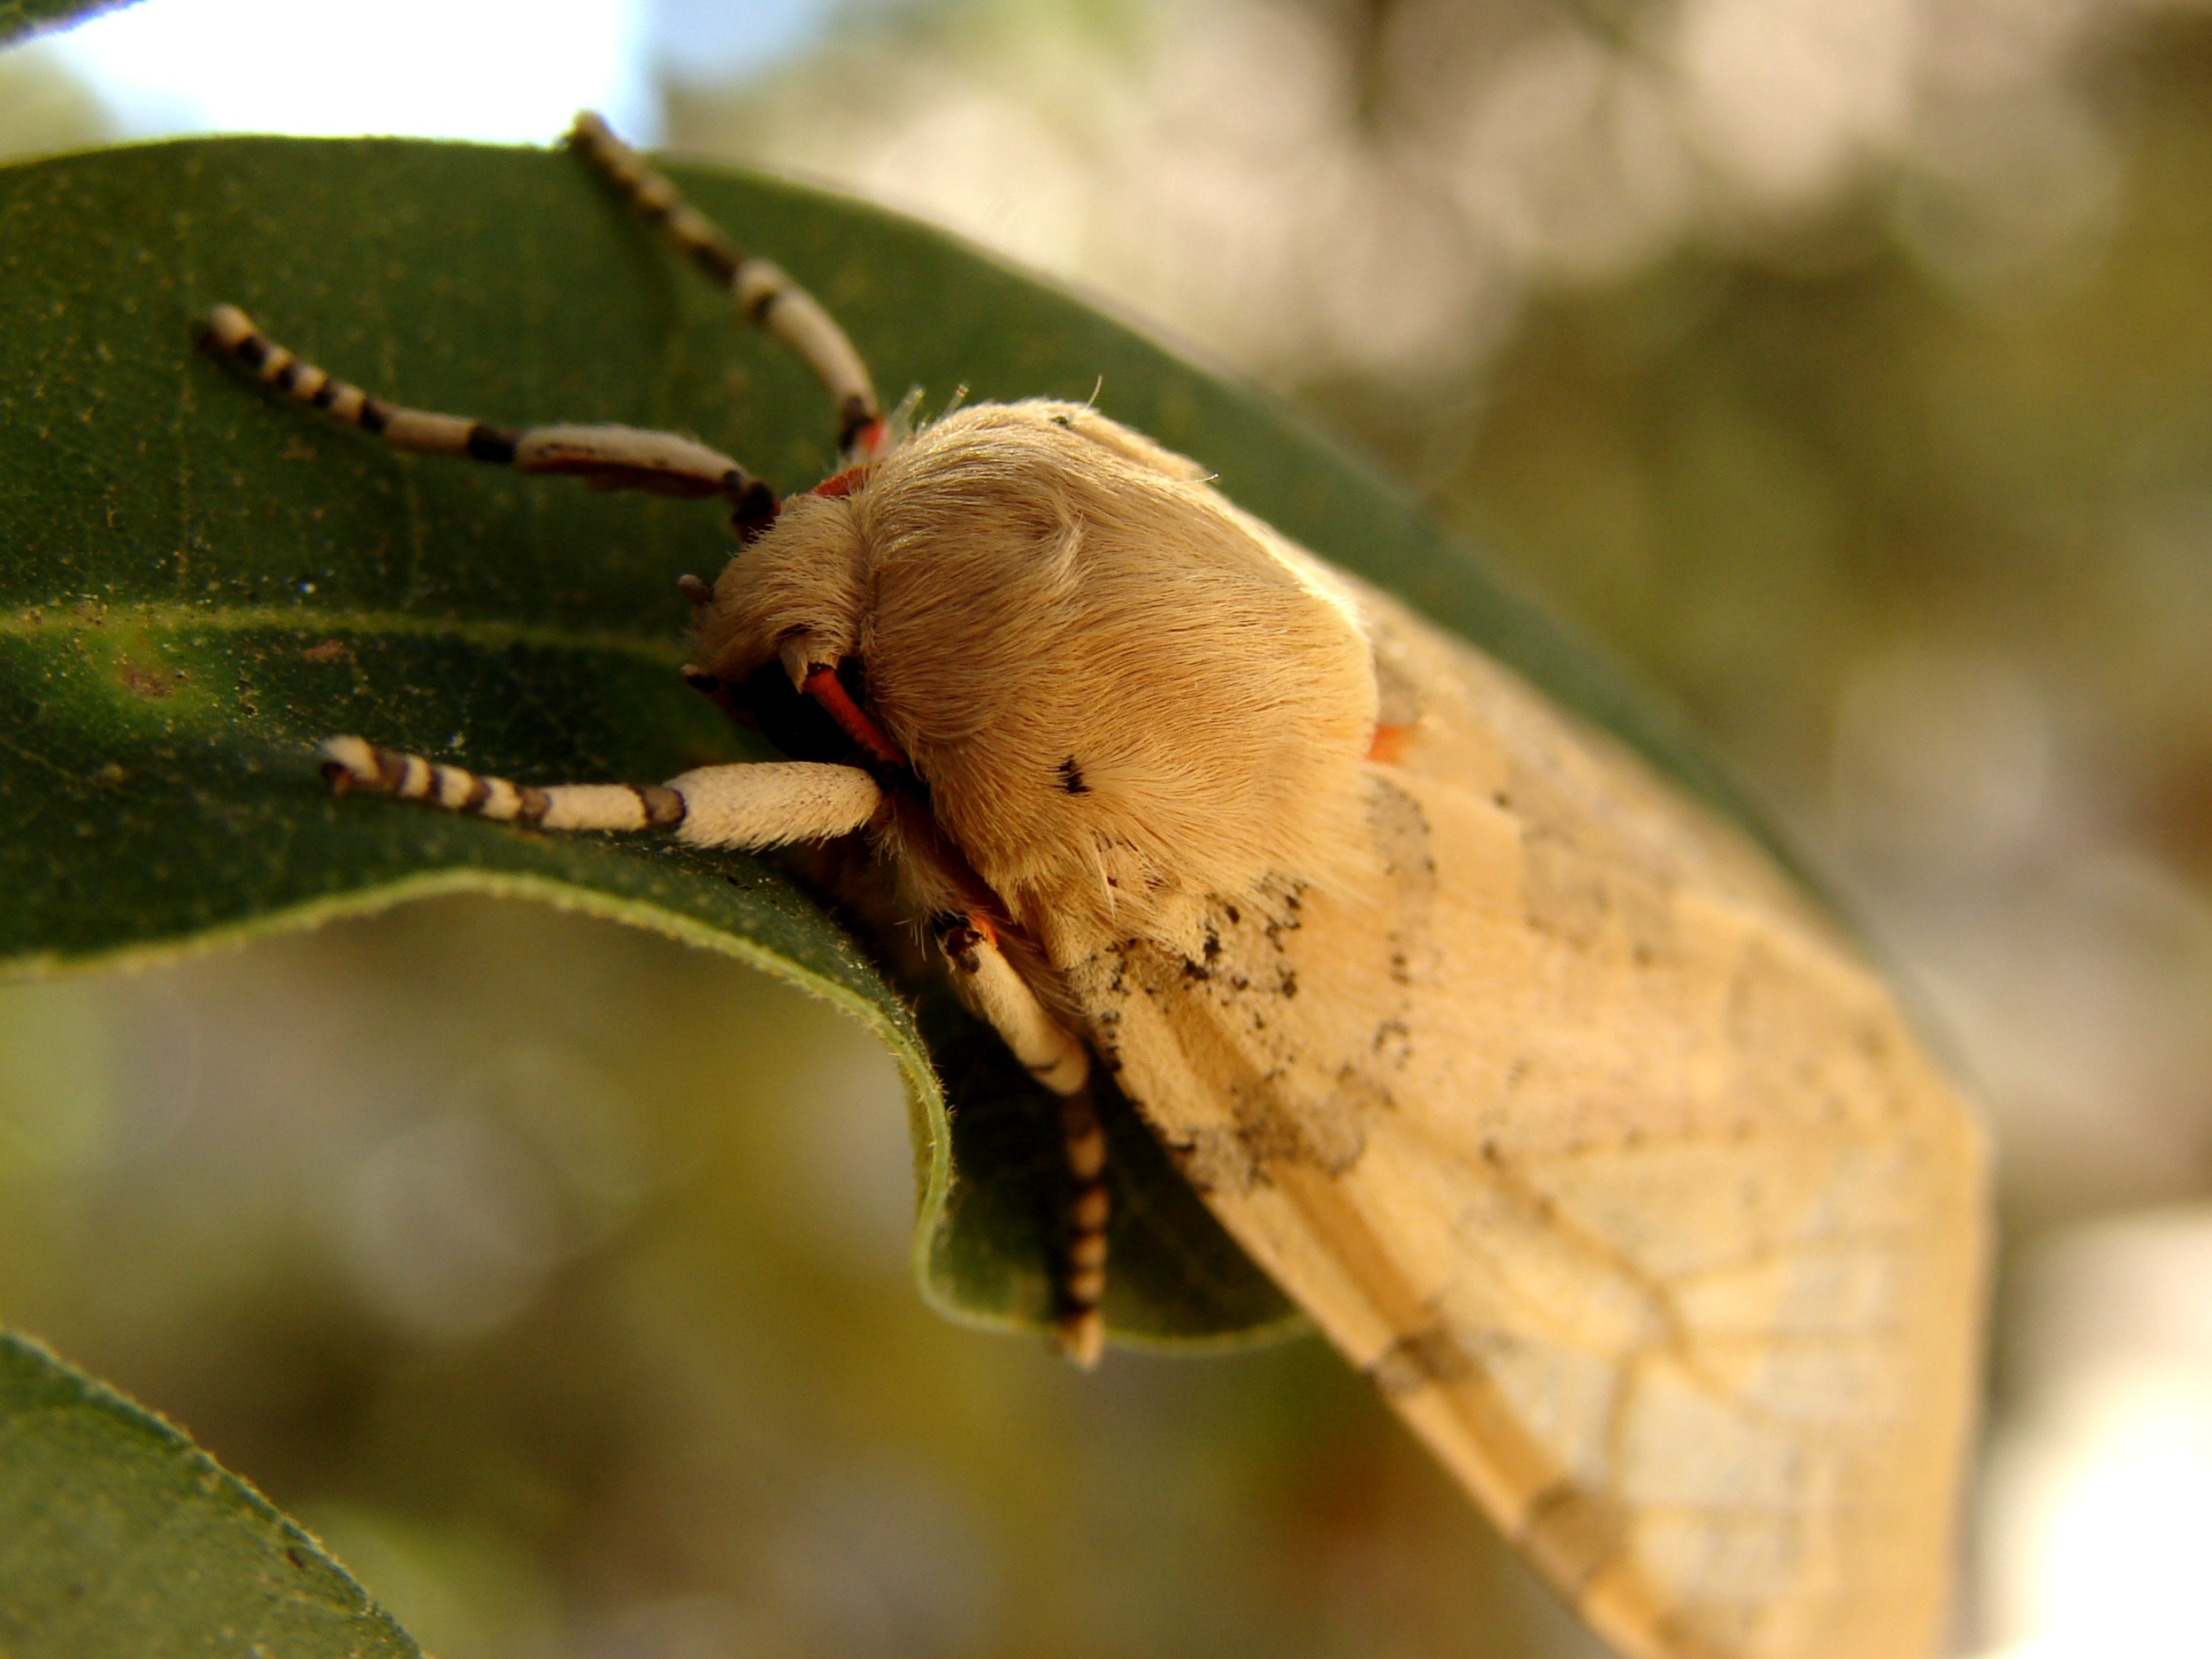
pixel 119 1537
pixel 198 581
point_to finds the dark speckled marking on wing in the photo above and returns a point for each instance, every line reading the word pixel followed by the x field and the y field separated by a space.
pixel 1293 1100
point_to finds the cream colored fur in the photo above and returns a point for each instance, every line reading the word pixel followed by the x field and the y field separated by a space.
pixel 1043 598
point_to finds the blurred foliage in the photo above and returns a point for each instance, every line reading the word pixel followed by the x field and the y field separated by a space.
pixel 1753 476
pixel 43 109
pixel 19 16
pixel 119 1537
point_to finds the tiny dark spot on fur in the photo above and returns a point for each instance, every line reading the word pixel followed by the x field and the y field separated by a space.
pixel 1230 911
pixel 1393 1041
pixel 1071 777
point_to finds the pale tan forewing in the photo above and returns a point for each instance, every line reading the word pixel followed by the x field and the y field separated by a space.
pixel 1573 1126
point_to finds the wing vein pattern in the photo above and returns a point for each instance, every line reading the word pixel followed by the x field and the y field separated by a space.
pixel 1607 1159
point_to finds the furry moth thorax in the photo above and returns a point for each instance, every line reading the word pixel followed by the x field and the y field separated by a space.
pixel 1118 691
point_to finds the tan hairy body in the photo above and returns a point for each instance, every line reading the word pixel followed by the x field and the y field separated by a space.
pixel 1535 1084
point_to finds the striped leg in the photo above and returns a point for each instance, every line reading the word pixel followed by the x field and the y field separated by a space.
pixel 1057 1058
pixel 606 457
pixel 753 805
pixel 769 299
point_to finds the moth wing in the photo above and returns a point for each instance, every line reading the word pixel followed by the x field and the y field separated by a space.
pixel 1574 1127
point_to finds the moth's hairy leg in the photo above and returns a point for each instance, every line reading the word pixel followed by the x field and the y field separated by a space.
pixel 605 456
pixel 768 298
pixel 766 803
pixel 1057 1058
pixel 773 802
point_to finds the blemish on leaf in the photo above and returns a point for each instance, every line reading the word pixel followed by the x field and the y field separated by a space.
pixel 329 651
pixel 143 682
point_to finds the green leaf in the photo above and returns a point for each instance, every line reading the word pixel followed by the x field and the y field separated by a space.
pixel 20 17
pixel 118 1536
pixel 198 581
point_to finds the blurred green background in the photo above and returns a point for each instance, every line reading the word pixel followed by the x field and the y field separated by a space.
pixel 1844 365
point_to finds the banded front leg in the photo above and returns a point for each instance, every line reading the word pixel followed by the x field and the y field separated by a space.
pixel 768 298
pixel 749 805
pixel 604 456
pixel 1056 1057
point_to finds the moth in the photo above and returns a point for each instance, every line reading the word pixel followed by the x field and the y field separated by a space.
pixel 1564 1115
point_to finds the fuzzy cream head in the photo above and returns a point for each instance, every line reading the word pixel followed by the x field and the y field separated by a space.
pixel 1117 687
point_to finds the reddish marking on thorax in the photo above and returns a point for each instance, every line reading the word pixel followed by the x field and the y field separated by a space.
pixel 986 912
pixel 1390 742
pixel 856 722
pixel 842 483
